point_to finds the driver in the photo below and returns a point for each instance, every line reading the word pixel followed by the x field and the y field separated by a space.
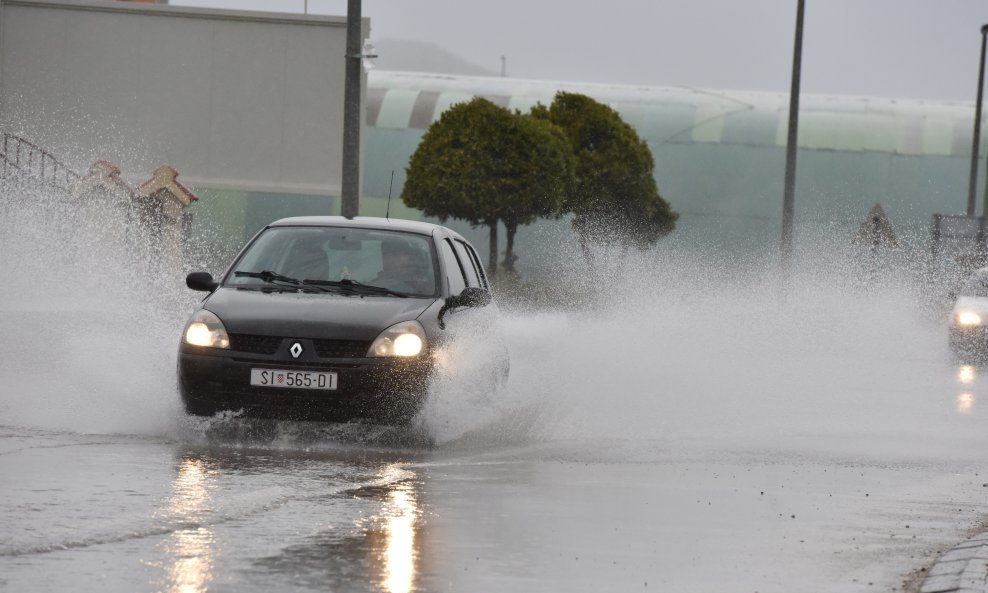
pixel 400 266
pixel 308 260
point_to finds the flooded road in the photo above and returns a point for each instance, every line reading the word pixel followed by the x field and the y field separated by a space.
pixel 682 429
pixel 285 511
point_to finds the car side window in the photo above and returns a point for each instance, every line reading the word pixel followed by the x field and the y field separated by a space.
pixel 468 266
pixel 454 269
pixel 476 264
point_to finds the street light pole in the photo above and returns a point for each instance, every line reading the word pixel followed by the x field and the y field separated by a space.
pixel 977 132
pixel 976 140
pixel 1 54
pixel 350 182
pixel 788 199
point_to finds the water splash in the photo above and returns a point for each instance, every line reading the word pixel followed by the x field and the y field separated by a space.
pixel 89 319
pixel 677 344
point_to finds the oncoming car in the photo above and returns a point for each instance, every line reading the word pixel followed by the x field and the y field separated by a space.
pixel 329 318
pixel 969 317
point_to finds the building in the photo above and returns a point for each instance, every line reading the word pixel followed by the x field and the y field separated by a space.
pixel 720 156
pixel 246 106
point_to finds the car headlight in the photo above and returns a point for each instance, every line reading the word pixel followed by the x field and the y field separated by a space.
pixel 401 339
pixel 206 329
pixel 968 319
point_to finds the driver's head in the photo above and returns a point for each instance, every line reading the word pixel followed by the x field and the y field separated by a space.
pixel 395 255
pixel 308 259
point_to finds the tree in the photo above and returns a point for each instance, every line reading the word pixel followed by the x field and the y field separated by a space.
pixel 615 200
pixel 485 164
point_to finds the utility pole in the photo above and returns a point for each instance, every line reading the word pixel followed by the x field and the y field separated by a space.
pixel 976 142
pixel 1 59
pixel 788 198
pixel 350 183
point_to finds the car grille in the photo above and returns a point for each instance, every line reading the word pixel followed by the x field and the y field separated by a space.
pixel 324 348
pixel 341 348
pixel 254 344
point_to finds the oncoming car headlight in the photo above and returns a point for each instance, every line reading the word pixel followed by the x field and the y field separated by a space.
pixel 968 319
pixel 206 329
pixel 401 339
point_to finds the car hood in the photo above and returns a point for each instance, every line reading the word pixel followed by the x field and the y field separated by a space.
pixel 974 304
pixel 311 315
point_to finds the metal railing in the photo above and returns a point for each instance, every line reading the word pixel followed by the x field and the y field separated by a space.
pixel 22 159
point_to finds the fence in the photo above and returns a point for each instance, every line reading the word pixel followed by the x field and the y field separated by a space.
pixel 22 159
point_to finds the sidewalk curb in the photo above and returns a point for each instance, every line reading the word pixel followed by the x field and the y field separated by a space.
pixel 962 569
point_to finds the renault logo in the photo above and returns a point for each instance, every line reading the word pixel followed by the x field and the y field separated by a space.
pixel 296 350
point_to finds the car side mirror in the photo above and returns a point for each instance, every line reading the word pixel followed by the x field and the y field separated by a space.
pixel 470 297
pixel 201 281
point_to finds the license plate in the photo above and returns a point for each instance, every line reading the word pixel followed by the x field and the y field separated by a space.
pixel 292 379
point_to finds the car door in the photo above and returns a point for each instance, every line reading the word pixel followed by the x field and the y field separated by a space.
pixel 463 270
pixel 481 352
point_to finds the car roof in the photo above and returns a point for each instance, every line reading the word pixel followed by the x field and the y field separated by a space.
pixel 368 222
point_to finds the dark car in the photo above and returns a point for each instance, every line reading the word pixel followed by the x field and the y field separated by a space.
pixel 329 318
pixel 969 317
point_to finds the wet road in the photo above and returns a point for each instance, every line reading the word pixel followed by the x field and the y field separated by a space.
pixel 234 506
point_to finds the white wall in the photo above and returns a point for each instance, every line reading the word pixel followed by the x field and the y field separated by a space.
pixel 231 99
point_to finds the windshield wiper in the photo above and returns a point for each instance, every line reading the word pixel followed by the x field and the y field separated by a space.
pixel 269 276
pixel 353 285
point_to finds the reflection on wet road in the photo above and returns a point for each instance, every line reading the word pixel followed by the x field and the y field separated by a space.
pixel 191 547
pixel 193 518
pixel 400 516
pixel 966 376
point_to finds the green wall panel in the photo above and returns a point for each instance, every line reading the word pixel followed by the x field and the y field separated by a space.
pixel 264 208
pixel 217 227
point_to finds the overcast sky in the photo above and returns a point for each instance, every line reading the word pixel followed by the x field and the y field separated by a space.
pixel 922 49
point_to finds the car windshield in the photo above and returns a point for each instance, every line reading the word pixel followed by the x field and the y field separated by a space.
pixel 976 285
pixel 349 259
